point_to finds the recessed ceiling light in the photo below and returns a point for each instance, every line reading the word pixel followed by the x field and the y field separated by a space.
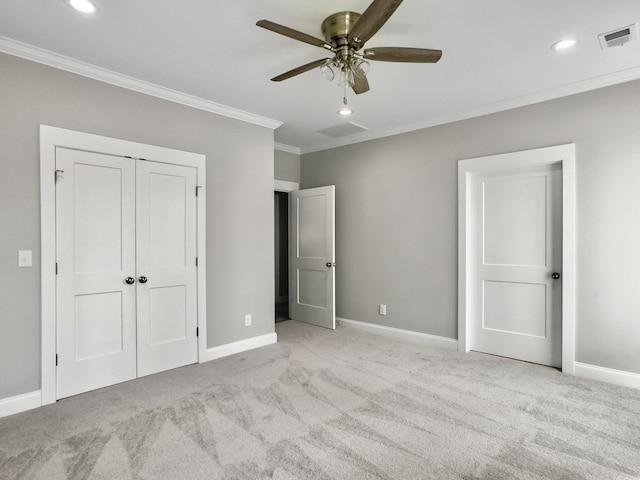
pixel 344 111
pixel 565 44
pixel 84 6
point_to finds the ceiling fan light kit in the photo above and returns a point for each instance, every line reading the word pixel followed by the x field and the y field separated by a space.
pixel 345 34
pixel 327 70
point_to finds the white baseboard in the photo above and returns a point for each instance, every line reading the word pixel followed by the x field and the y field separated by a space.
pixel 619 377
pixel 409 335
pixel 240 346
pixel 20 403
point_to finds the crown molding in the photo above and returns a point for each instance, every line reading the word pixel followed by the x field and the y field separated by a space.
pixel 543 96
pixel 286 148
pixel 39 55
pixel 62 62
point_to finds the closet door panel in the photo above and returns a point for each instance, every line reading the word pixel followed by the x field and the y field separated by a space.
pixel 166 266
pixel 96 312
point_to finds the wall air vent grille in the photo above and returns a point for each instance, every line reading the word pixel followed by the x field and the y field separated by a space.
pixel 342 130
pixel 618 37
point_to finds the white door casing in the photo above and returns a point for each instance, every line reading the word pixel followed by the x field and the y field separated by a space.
pixel 563 157
pixel 53 138
pixel 312 262
pixel 516 232
pixel 95 217
pixel 166 266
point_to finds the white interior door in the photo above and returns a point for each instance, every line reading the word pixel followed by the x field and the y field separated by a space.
pixel 517 248
pixel 96 317
pixel 312 265
pixel 166 266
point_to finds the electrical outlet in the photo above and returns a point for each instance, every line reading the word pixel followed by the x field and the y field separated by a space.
pixel 247 320
pixel 383 309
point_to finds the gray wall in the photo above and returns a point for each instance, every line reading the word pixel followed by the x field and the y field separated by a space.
pixel 396 217
pixel 286 166
pixel 239 201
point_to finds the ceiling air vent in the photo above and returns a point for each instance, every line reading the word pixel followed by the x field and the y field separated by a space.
pixel 618 37
pixel 342 130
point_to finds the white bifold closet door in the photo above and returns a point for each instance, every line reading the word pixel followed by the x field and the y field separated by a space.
pixel 126 283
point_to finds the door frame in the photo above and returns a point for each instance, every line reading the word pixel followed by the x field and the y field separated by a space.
pixel 564 155
pixel 52 137
pixel 285 186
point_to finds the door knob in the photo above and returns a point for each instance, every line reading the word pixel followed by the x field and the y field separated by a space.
pixel 142 279
pixel 555 275
pixel 129 280
pixel 329 264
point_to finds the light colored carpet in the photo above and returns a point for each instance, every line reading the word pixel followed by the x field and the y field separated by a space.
pixel 335 405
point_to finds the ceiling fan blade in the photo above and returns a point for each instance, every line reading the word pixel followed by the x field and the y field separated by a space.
pixel 299 70
pixel 373 18
pixel 360 82
pixel 295 34
pixel 402 54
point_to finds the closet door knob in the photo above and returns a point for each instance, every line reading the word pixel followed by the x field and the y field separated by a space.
pixel 129 280
pixel 142 279
pixel 555 275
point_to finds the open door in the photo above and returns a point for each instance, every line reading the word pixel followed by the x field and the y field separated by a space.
pixel 312 265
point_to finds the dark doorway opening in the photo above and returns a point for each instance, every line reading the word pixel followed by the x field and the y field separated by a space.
pixel 281 231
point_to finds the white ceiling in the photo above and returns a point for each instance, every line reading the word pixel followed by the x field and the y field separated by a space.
pixel 496 55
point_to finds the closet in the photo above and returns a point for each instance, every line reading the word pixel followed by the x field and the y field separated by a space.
pixel 126 263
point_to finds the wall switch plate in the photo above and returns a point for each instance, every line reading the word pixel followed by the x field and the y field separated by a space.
pixel 247 320
pixel 25 258
pixel 383 309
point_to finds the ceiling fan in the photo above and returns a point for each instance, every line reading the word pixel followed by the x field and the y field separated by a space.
pixel 345 34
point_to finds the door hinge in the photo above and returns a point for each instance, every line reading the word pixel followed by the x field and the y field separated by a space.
pixel 197 331
pixel 56 268
pixel 197 187
pixel 196 261
pixel 56 175
pixel 56 359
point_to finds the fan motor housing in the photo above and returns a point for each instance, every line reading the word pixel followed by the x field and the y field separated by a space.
pixel 336 27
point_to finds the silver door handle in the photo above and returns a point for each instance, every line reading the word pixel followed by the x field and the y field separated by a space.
pixel 555 275
pixel 142 279
pixel 129 280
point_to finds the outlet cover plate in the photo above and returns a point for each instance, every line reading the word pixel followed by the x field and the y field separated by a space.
pixel 25 258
